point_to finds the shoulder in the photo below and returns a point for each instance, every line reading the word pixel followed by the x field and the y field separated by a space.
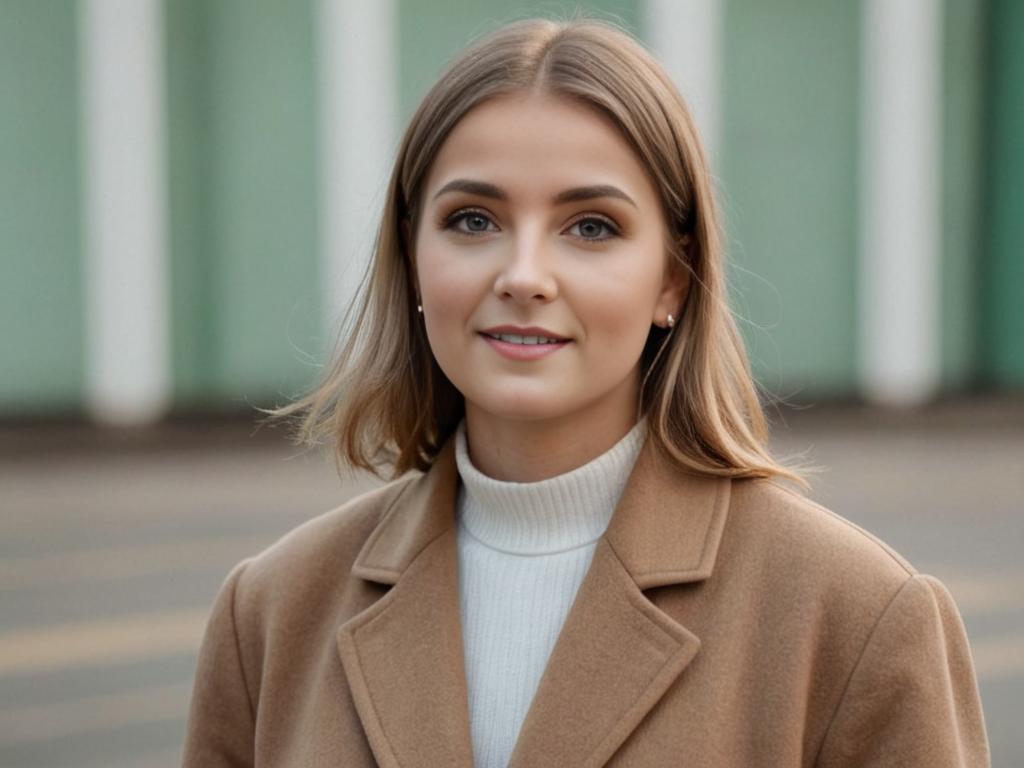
pixel 790 550
pixel 823 588
pixel 274 615
pixel 314 559
pixel 806 534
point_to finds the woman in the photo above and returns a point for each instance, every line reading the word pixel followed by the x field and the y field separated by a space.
pixel 597 564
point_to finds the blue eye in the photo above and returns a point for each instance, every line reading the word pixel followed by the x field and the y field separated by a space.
pixel 476 223
pixel 591 228
pixel 473 222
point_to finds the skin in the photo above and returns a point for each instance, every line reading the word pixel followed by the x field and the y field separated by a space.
pixel 596 271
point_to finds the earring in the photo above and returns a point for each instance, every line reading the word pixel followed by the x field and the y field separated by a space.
pixel 670 321
pixel 419 308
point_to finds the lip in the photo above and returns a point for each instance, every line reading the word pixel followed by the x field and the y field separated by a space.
pixel 523 351
pixel 532 330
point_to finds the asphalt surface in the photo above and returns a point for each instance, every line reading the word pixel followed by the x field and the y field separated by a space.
pixel 113 544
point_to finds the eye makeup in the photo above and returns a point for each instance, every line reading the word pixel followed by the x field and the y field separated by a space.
pixel 451 221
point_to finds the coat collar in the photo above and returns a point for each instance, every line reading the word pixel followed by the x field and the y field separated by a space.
pixel 617 653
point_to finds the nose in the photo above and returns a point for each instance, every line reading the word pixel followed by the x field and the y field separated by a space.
pixel 526 275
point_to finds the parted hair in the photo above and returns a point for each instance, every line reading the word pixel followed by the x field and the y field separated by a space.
pixel 383 402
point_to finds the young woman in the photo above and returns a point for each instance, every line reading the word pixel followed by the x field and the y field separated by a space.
pixel 587 559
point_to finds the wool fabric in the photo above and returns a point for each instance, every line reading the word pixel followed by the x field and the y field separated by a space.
pixel 523 550
pixel 722 621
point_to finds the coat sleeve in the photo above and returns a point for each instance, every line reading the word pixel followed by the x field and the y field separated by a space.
pixel 912 699
pixel 221 722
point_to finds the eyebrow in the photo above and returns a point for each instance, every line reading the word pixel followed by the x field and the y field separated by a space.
pixel 573 195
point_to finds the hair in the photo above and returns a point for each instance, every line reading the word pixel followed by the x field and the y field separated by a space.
pixel 384 401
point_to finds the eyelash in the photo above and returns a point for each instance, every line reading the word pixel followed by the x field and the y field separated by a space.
pixel 450 222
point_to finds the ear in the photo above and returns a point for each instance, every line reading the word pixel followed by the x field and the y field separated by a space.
pixel 674 288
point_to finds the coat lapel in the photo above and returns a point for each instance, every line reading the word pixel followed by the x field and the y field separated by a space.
pixel 403 654
pixel 616 655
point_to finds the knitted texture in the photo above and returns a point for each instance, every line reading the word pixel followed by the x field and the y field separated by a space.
pixel 523 550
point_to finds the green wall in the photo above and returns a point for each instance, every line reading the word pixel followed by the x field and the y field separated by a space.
pixel 243 190
pixel 1003 329
pixel 242 160
pixel 963 248
pixel 41 343
pixel 789 194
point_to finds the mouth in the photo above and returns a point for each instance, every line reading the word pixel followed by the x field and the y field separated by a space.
pixel 529 336
pixel 524 345
pixel 524 340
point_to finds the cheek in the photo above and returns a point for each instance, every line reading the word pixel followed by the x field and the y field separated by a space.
pixel 616 334
pixel 616 305
pixel 434 273
pixel 451 293
pixel 451 290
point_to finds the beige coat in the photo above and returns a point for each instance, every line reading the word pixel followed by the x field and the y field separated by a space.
pixel 721 623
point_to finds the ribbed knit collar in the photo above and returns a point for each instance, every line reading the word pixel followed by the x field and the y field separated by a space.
pixel 548 516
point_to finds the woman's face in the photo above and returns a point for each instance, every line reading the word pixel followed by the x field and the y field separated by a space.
pixel 539 221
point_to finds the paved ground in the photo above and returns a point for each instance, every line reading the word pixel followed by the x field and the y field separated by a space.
pixel 113 545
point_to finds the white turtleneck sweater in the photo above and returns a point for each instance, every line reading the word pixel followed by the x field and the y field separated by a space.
pixel 523 550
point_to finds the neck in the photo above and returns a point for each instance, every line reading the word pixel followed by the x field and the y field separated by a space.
pixel 526 451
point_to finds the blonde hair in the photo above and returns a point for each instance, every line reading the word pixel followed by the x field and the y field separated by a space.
pixel 385 401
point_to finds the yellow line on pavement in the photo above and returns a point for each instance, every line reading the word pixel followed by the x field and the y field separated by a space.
pixel 105 641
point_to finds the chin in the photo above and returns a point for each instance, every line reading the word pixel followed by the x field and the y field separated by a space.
pixel 518 403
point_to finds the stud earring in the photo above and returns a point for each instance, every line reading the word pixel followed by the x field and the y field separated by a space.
pixel 419 308
pixel 670 321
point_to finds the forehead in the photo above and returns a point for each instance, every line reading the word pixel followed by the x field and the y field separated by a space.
pixel 535 140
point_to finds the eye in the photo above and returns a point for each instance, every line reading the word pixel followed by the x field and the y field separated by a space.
pixel 472 222
pixel 592 227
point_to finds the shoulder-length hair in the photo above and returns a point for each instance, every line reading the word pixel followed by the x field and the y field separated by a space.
pixel 385 403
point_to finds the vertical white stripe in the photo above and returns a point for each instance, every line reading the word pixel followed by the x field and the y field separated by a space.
pixel 126 275
pixel 358 107
pixel 900 198
pixel 686 36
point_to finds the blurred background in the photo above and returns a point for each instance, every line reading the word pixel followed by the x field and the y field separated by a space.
pixel 188 195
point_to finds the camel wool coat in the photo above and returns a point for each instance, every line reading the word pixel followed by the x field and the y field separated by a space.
pixel 721 623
